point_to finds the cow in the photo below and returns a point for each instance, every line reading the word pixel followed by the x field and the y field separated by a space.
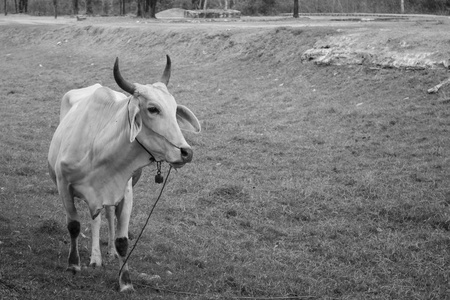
pixel 102 142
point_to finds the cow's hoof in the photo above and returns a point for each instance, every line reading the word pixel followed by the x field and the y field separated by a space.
pixel 112 255
pixel 73 269
pixel 126 288
pixel 94 265
pixel 95 262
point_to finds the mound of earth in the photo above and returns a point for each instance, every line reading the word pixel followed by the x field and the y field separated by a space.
pixel 171 13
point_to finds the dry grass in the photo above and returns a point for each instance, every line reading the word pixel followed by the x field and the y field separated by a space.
pixel 316 182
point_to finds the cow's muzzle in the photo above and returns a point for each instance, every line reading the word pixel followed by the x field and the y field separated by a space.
pixel 186 154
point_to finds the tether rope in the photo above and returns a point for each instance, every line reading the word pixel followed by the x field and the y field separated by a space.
pixel 146 222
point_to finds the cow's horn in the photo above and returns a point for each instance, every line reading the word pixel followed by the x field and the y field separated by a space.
pixel 124 85
pixel 166 75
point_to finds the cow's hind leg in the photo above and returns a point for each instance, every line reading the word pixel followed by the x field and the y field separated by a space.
pixel 123 212
pixel 74 258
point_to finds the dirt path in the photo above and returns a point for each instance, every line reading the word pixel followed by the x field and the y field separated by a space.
pixel 32 20
pixel 345 21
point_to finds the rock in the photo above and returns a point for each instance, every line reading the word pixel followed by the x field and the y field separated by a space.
pixel 212 13
pixel 149 278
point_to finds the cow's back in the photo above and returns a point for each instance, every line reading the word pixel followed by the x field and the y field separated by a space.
pixel 74 96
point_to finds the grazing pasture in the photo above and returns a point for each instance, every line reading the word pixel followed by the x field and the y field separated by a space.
pixel 308 182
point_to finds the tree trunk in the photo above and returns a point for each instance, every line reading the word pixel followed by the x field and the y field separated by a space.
pixel 106 6
pixel 205 4
pixel 89 8
pixel 152 9
pixel 139 12
pixel 6 12
pixel 75 7
pixel 402 6
pixel 55 6
pixel 121 7
pixel 295 8
pixel 23 6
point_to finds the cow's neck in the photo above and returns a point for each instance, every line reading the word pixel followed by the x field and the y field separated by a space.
pixel 116 158
pixel 127 155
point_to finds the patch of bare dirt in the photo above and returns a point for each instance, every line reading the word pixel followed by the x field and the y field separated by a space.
pixel 413 46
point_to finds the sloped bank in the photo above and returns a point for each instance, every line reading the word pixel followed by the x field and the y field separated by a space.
pixel 283 45
pixel 407 46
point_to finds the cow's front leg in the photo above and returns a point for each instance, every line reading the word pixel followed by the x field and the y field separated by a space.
pixel 96 254
pixel 123 212
pixel 109 212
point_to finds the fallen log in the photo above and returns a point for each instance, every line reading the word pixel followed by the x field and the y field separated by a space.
pixel 436 88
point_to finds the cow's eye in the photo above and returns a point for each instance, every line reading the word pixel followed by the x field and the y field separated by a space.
pixel 153 110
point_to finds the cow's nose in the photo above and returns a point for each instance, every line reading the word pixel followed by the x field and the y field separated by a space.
pixel 186 154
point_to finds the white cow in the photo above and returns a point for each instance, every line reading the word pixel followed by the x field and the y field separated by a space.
pixel 101 144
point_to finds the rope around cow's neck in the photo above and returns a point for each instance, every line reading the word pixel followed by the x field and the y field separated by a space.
pixel 148 218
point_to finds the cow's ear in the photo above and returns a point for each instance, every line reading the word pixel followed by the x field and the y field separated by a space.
pixel 134 118
pixel 187 120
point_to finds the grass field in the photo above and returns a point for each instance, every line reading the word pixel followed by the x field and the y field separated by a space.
pixel 308 182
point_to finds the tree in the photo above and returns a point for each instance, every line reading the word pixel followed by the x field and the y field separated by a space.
pixel 6 9
pixel 55 6
pixel 139 12
pixel 23 6
pixel 122 7
pixel 89 8
pixel 146 8
pixel 74 7
pixel 295 8
pixel 108 6
pixel 150 8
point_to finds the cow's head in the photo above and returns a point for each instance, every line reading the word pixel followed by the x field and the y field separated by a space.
pixel 155 119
